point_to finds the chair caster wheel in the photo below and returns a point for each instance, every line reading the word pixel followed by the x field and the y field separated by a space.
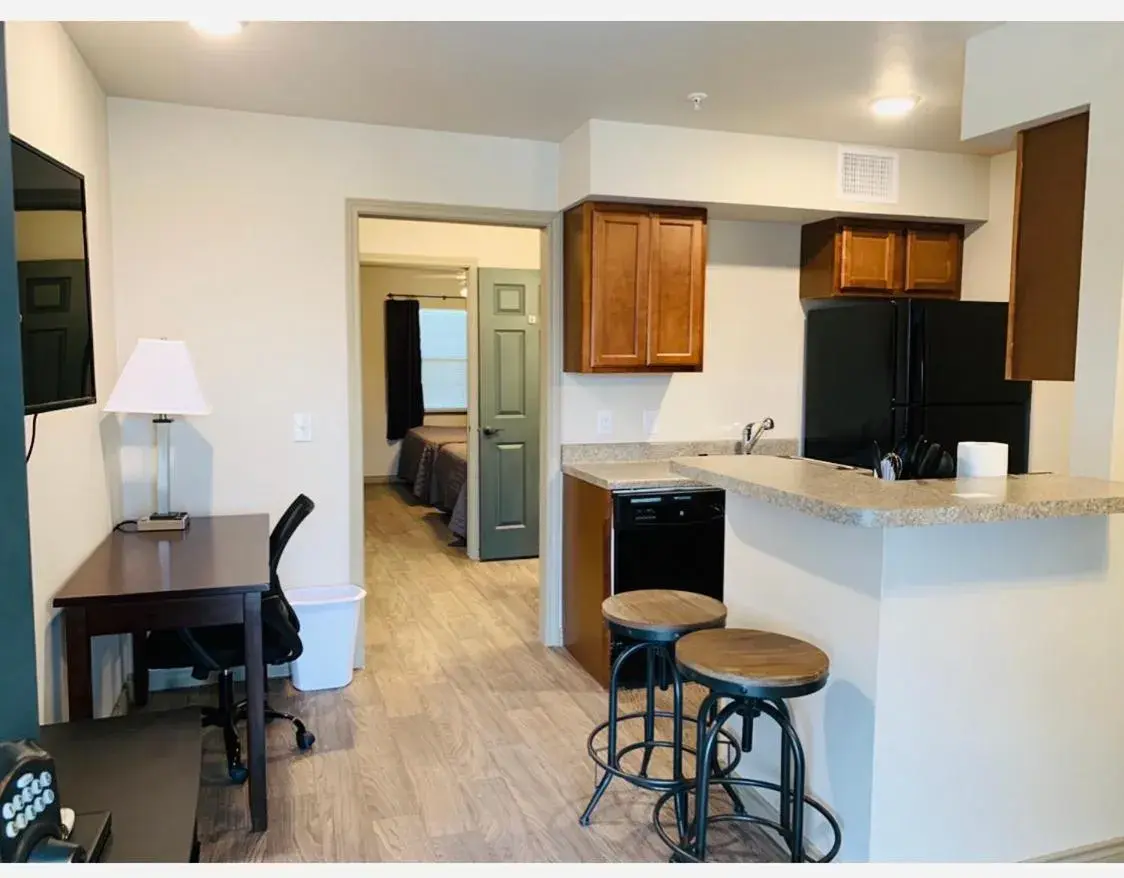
pixel 305 740
pixel 238 773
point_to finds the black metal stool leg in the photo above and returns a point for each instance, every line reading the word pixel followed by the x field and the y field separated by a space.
pixel 650 708
pixel 603 784
pixel 677 742
pixel 735 800
pixel 790 744
pixel 786 796
pixel 707 747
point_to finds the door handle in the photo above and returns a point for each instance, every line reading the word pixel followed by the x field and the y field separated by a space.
pixel 491 431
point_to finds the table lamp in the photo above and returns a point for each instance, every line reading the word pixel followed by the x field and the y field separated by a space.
pixel 159 380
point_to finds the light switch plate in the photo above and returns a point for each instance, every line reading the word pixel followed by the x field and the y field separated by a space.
pixel 604 422
pixel 302 427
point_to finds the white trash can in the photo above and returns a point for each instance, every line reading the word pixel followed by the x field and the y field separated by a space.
pixel 329 617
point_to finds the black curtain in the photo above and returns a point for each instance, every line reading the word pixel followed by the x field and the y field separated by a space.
pixel 405 407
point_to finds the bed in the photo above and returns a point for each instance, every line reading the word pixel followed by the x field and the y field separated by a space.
pixel 419 452
pixel 449 487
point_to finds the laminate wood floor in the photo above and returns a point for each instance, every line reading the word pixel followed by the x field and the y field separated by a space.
pixel 463 739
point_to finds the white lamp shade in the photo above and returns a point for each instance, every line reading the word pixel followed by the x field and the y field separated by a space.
pixel 158 379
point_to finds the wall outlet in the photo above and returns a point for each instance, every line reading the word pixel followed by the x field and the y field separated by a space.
pixel 651 419
pixel 604 423
pixel 302 427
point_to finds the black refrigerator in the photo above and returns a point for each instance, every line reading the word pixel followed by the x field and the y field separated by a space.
pixel 884 371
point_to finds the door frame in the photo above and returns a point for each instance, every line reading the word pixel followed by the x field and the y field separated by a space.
pixel 550 382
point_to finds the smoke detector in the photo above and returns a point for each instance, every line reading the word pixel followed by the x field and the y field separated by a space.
pixel 697 98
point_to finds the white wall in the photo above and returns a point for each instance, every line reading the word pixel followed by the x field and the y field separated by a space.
pixel 987 278
pixel 380 457
pixel 1017 75
pixel 781 174
pixel 999 733
pixel 231 233
pixel 55 104
pixel 476 245
pixel 753 355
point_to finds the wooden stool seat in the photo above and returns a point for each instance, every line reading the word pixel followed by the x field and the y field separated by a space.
pixel 663 614
pixel 758 663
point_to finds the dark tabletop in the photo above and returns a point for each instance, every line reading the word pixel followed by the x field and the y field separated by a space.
pixel 144 769
pixel 225 554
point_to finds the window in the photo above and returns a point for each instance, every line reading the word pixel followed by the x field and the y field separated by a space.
pixel 444 350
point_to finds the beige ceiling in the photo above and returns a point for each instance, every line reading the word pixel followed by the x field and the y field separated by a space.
pixel 543 80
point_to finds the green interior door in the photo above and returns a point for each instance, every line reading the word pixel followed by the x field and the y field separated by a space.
pixel 19 713
pixel 509 413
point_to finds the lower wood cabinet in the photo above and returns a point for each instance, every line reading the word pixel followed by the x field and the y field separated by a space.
pixel 587 533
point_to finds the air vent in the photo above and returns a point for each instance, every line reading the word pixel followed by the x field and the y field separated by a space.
pixel 868 175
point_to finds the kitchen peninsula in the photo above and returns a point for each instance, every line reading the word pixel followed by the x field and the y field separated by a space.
pixel 977 663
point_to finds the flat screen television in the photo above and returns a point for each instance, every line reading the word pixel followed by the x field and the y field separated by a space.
pixel 54 282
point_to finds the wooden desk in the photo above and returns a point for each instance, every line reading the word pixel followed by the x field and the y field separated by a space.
pixel 212 574
pixel 144 769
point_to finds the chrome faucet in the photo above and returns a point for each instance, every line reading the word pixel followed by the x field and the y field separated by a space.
pixel 751 434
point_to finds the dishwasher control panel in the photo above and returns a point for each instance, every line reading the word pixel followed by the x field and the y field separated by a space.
pixel 691 506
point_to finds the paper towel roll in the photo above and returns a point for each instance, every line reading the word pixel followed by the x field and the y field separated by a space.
pixel 977 460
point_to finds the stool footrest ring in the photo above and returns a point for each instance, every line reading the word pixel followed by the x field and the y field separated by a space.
pixel 653 783
pixel 681 850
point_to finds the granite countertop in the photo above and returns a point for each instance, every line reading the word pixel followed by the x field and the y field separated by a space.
pixel 855 497
pixel 622 475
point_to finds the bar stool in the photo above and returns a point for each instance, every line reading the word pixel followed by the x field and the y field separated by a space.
pixel 655 619
pixel 755 671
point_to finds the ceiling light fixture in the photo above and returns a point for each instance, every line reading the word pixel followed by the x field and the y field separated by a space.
pixel 894 107
pixel 696 98
pixel 215 27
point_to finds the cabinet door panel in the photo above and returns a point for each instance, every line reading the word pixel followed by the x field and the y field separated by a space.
pixel 932 261
pixel 619 299
pixel 868 260
pixel 676 284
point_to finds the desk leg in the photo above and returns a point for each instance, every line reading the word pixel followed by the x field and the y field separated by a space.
pixel 140 670
pixel 255 710
pixel 79 686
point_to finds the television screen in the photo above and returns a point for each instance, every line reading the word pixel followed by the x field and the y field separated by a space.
pixel 54 282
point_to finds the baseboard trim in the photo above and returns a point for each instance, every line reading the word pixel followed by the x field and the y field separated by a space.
pixel 757 805
pixel 379 480
pixel 1111 851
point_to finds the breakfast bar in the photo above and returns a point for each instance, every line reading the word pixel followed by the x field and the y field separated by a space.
pixel 977 662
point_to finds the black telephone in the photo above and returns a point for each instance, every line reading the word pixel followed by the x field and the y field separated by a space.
pixel 33 828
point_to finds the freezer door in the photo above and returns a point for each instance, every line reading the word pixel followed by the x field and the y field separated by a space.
pixel 849 364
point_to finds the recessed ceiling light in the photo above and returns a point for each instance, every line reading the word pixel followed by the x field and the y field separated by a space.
pixel 893 107
pixel 215 27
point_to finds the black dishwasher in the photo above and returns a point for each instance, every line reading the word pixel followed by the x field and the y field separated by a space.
pixel 668 538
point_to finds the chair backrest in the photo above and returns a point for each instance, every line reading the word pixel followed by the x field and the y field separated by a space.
pixel 283 531
pixel 277 612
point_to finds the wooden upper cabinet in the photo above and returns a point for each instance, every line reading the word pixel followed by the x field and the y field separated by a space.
pixel 932 260
pixel 619 290
pixel 846 258
pixel 675 291
pixel 868 259
pixel 634 288
pixel 1046 255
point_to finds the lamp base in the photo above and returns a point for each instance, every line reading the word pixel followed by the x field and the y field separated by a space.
pixel 163 521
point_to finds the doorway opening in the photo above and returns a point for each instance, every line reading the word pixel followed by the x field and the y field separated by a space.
pixel 450 340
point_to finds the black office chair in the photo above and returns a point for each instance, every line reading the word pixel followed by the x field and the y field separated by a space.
pixel 221 648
